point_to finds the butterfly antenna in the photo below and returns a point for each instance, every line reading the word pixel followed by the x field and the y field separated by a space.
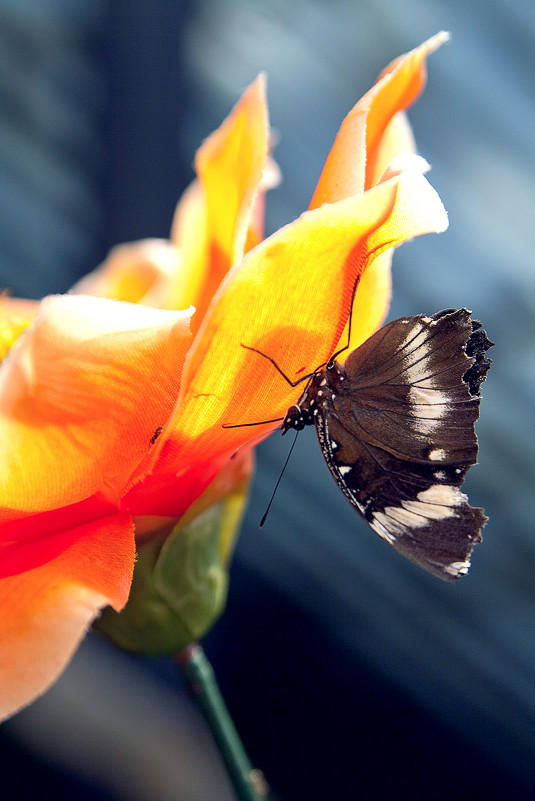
pixel 276 366
pixel 349 321
pixel 278 481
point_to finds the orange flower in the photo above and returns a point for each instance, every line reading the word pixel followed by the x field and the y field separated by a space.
pixel 85 389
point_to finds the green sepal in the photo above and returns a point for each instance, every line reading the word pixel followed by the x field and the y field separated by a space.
pixel 180 583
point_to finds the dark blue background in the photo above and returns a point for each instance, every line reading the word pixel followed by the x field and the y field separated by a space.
pixel 350 672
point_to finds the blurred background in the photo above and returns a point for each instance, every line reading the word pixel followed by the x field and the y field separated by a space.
pixel 349 672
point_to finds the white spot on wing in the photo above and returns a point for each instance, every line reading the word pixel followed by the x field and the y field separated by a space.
pixel 438 502
pixel 379 526
pixel 344 470
pixel 443 494
pixel 428 408
pixel 426 396
pixel 428 511
pixel 430 402
pixel 437 454
pixel 457 568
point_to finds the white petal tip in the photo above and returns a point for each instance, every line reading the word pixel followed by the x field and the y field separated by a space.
pixel 406 162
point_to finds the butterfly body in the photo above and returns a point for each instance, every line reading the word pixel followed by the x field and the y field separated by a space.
pixel 395 424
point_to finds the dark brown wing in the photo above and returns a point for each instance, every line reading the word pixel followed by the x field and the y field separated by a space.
pixel 398 435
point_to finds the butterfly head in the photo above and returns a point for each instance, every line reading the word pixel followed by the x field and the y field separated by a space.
pixel 294 420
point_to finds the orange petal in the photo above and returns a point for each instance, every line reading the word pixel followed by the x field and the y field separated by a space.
pixel 81 395
pixel 217 212
pixel 45 612
pixel 289 298
pixel 139 272
pixel 351 165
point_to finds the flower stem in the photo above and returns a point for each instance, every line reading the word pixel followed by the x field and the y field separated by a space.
pixel 201 683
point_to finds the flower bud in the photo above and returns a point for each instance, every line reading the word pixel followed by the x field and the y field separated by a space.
pixel 180 581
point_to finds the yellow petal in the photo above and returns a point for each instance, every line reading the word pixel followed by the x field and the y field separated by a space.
pixel 189 233
pixel 217 211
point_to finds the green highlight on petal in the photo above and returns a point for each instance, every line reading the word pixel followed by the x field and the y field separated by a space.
pixel 180 583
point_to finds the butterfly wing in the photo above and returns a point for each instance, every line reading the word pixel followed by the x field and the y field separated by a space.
pixel 397 433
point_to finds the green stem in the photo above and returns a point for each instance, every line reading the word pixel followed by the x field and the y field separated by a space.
pixel 201 683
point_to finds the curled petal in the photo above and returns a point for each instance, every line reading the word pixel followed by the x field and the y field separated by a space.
pixel 81 395
pixel 289 299
pixel 45 612
pixel 359 152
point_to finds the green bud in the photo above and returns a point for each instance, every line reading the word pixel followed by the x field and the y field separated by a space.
pixel 180 582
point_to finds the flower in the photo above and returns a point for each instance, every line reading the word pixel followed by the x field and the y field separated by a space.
pixel 112 410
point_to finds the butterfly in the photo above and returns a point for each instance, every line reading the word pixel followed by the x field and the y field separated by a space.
pixel 395 424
